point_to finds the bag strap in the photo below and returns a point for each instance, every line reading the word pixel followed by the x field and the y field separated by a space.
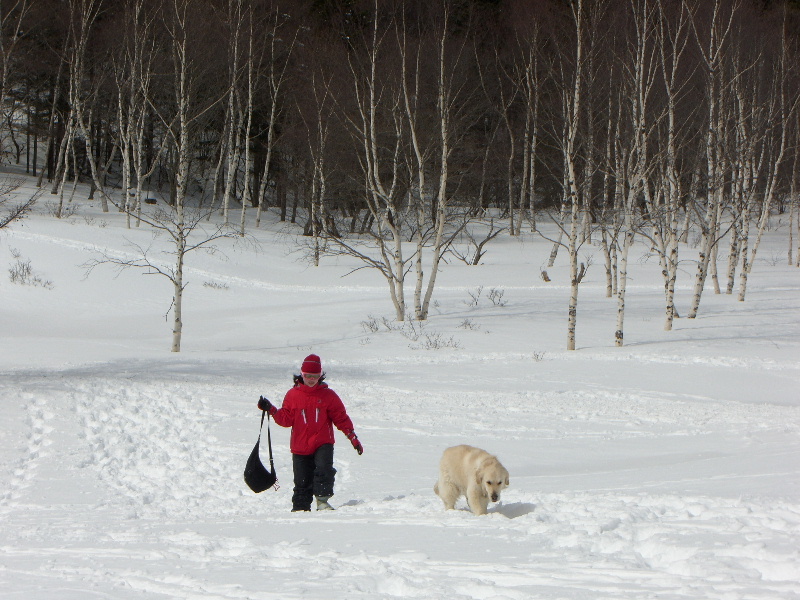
pixel 269 438
pixel 263 412
pixel 269 442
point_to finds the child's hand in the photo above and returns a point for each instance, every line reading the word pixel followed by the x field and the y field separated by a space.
pixel 356 444
pixel 265 404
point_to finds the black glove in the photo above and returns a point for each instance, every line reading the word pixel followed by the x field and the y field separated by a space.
pixel 356 444
pixel 265 404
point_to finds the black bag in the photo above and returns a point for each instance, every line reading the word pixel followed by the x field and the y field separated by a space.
pixel 256 475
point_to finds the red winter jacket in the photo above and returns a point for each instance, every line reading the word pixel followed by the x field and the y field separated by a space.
pixel 312 412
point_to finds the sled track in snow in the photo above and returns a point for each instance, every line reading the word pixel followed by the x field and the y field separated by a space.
pixel 24 470
pixel 151 443
pixel 579 545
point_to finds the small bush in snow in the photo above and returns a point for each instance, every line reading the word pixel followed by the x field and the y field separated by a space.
pixel 412 330
pixel 475 296
pixel 496 297
pixel 390 325
pixel 67 210
pixel 370 325
pixel 435 341
pixel 215 285
pixel 22 273
pixel 468 324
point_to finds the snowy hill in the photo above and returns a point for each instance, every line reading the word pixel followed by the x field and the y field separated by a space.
pixel 667 468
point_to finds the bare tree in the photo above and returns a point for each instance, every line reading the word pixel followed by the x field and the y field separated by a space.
pixel 186 233
pixel 572 103
pixel 529 73
pixel 453 97
pixel 12 20
pixel 82 97
pixel 235 138
pixel 17 211
pixel 712 33
pixel 642 74
pixel 672 41
pixel 278 61
pixel 133 74
pixel 779 123
pixel 318 125
pixel 378 102
pixel 179 221
pixel 502 90
pixel 794 195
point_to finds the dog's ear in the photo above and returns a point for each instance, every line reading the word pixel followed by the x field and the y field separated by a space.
pixel 507 481
pixel 478 477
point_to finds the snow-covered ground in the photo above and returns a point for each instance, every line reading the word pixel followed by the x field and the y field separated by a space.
pixel 667 469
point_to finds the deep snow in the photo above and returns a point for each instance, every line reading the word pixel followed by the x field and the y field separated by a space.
pixel 664 469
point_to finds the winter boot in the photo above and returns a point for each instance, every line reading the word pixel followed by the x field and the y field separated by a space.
pixel 322 503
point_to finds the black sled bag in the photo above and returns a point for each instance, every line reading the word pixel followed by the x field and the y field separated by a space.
pixel 256 475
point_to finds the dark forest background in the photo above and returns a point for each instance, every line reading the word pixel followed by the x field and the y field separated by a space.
pixel 375 124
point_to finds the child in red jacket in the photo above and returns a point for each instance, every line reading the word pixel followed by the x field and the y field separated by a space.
pixel 311 409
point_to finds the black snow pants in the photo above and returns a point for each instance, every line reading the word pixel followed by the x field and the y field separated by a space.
pixel 313 476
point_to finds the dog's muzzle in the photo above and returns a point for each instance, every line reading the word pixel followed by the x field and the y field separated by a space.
pixel 495 497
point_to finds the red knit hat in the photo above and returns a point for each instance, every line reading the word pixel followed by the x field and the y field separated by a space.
pixel 312 364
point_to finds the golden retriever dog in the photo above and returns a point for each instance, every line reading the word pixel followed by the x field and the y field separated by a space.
pixel 471 472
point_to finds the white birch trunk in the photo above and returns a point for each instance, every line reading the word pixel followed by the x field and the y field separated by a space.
pixel 53 105
pixel 248 127
pixel 182 93
pixel 441 200
pixel 627 242
pixel 418 166
pixel 794 195
pixel 782 125
pixel 573 109
pixel 719 31
pixel 234 148
pixel 381 195
pixel 641 71
pixel 275 82
pixel 177 308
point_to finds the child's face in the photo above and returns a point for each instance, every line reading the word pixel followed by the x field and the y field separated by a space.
pixel 311 379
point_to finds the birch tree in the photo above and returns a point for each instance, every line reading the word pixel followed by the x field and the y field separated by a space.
pixel 378 101
pixel 794 195
pixel 712 33
pixel 235 113
pixel 179 221
pixel 405 126
pixel 672 38
pixel 10 213
pixel 318 123
pixel 572 106
pixel 133 73
pixel 502 92
pixel 641 75
pixel 529 73
pixel 453 97
pixel 83 99
pixel 278 61
pixel 13 17
pixel 779 124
